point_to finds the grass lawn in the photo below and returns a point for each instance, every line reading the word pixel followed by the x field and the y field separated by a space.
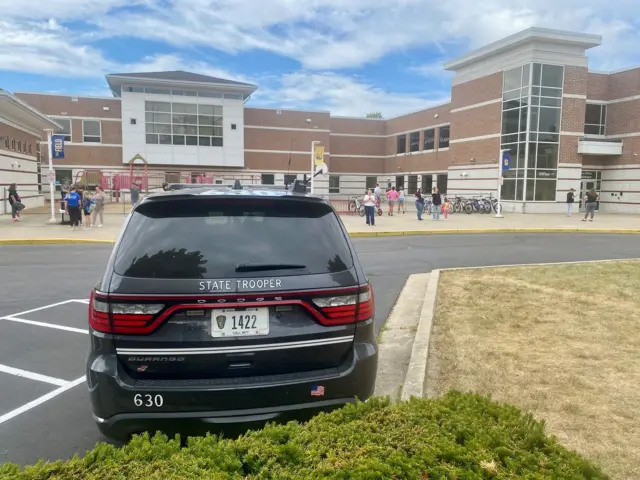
pixel 560 341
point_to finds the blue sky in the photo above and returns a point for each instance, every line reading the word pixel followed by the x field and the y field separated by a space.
pixel 350 57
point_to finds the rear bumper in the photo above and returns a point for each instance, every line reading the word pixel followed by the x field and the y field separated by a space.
pixel 200 406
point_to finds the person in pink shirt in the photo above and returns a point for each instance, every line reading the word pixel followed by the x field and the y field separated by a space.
pixel 392 196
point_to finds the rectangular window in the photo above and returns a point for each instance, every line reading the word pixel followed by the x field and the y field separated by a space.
pixel 399 182
pixel 442 183
pixel 428 141
pixel 595 119
pixel 370 182
pixel 412 185
pixel 157 91
pixel 287 230
pixel 91 131
pixel 427 181
pixel 190 124
pixel 268 179
pixel 334 184
pixel 414 141
pixel 402 144
pixel 65 123
pixel 443 138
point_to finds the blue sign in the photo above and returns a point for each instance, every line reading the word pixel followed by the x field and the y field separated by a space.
pixel 506 161
pixel 57 146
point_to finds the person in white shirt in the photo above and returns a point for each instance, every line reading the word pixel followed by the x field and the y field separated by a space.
pixel 401 199
pixel 369 203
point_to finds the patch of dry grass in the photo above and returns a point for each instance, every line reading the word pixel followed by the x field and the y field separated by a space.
pixel 561 341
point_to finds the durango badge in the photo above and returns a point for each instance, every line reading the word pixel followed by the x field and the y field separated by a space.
pixel 221 320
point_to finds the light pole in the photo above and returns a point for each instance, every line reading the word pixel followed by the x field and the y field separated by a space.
pixel 313 165
pixel 51 177
pixel 500 167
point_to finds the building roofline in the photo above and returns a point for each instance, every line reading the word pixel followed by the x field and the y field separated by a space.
pixel 585 40
pixel 613 72
pixel 45 122
pixel 437 105
pixel 93 97
pixel 119 79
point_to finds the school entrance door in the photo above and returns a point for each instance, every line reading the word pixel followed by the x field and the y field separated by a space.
pixel 590 179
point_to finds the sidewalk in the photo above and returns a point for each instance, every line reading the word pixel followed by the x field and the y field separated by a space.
pixel 34 227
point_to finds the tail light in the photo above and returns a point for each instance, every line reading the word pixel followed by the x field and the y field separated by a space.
pixel 125 318
pixel 342 309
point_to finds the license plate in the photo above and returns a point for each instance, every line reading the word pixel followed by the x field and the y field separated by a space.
pixel 230 322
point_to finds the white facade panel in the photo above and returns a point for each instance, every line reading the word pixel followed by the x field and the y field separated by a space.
pixel 231 154
pixel 24 174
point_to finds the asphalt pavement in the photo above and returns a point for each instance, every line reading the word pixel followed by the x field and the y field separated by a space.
pixel 44 405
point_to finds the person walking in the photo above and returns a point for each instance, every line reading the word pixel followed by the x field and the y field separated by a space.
pixel 16 203
pixel 369 203
pixel 376 193
pixel 591 202
pixel 98 200
pixel 135 194
pixel 445 208
pixel 436 201
pixel 73 206
pixel 419 203
pixel 392 196
pixel 570 200
pixel 401 200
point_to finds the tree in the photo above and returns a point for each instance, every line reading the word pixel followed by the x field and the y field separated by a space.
pixel 374 115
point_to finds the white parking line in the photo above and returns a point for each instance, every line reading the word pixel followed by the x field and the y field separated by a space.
pixel 82 300
pixel 32 376
pixel 42 308
pixel 39 401
pixel 47 325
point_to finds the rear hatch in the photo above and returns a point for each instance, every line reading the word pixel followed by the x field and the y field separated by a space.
pixel 230 286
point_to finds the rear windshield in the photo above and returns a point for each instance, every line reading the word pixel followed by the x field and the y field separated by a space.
pixel 211 238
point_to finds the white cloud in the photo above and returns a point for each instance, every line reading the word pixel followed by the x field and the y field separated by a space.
pixel 341 95
pixel 56 37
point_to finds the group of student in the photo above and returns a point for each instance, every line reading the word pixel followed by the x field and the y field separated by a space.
pixel 79 201
pixel 371 200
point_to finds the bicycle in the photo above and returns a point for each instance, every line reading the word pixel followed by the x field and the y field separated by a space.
pixel 361 210
pixel 475 205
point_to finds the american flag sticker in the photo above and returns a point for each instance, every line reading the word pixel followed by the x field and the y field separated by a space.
pixel 317 391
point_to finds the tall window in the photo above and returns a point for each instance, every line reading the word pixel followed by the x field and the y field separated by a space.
pixel 268 179
pixel 595 119
pixel 427 181
pixel 65 123
pixel 443 137
pixel 428 142
pixel 414 141
pixel 183 124
pixel 334 184
pixel 91 132
pixel 531 113
pixel 402 144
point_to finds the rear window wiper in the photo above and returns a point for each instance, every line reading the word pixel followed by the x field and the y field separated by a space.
pixel 264 267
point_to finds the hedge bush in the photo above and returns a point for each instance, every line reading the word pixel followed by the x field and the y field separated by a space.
pixel 460 436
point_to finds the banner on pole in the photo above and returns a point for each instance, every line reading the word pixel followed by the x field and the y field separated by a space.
pixel 318 154
pixel 57 146
pixel 506 161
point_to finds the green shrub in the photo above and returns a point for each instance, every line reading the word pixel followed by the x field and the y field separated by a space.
pixel 460 436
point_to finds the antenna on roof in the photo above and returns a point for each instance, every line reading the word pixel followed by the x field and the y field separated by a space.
pixel 237 185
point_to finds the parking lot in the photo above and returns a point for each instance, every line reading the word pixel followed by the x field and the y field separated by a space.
pixel 44 404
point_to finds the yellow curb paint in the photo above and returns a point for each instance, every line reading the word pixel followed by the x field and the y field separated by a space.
pixel 632 231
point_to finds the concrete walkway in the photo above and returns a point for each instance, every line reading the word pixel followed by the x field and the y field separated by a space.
pixel 34 227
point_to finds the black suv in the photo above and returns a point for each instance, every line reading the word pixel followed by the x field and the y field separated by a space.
pixel 228 305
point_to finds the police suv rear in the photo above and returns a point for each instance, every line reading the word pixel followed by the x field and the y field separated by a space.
pixel 229 305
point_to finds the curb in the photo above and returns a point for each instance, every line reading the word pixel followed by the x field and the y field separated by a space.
pixel 415 378
pixel 53 241
pixel 630 231
pixel 601 231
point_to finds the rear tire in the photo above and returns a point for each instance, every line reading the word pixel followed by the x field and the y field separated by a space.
pixel 361 212
pixel 468 209
pixel 352 206
pixel 379 212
